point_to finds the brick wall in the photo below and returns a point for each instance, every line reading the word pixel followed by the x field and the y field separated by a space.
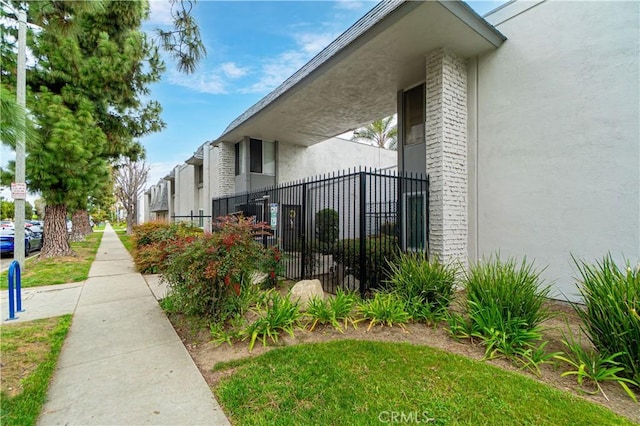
pixel 226 169
pixel 446 139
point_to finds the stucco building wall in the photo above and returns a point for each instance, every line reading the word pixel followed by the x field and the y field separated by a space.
pixel 335 154
pixel 554 138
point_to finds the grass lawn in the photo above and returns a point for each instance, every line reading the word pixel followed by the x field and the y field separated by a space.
pixel 60 270
pixel 365 383
pixel 126 240
pixel 29 355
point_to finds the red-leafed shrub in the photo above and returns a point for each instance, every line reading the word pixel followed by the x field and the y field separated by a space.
pixel 209 275
pixel 154 242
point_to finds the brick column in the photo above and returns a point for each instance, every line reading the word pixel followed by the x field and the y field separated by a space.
pixel 226 169
pixel 446 140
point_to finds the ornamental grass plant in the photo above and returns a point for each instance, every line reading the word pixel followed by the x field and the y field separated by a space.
pixel 611 316
pixel 426 285
pixel 505 307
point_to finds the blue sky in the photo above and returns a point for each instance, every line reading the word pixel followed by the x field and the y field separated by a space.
pixel 252 48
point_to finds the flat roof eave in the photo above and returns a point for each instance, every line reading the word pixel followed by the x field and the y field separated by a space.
pixel 355 79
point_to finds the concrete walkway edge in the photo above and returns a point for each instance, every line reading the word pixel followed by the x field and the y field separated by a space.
pixel 122 362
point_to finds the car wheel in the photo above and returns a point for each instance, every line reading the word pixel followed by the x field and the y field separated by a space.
pixel 27 250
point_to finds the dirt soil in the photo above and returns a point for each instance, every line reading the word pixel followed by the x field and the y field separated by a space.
pixel 206 354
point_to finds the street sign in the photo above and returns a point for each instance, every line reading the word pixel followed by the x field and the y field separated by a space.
pixel 19 190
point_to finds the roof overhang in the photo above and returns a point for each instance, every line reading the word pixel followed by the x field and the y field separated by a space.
pixel 197 158
pixel 355 79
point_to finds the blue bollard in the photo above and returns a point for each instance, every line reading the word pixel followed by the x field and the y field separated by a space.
pixel 14 290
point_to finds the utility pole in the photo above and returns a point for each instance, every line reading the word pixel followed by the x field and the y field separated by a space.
pixel 19 200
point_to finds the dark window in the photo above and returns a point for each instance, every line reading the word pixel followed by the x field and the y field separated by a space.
pixel 199 174
pixel 237 148
pixel 414 115
pixel 255 164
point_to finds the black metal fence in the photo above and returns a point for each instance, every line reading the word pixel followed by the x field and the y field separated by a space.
pixel 340 228
pixel 194 219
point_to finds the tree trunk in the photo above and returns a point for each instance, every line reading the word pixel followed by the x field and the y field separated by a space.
pixel 56 238
pixel 131 220
pixel 81 226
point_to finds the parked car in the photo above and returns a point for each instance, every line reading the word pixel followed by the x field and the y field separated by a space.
pixel 69 226
pixel 7 246
pixel 6 224
pixel 35 239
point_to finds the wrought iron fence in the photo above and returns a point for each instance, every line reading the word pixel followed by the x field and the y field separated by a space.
pixel 194 219
pixel 341 228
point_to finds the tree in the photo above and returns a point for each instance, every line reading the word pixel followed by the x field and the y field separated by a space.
pixel 7 209
pixel 183 42
pixel 94 65
pixel 39 206
pixel 11 122
pixel 381 133
pixel 129 179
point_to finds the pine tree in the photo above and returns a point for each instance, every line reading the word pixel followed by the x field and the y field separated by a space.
pixel 86 94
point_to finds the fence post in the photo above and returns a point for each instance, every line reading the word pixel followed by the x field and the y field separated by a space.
pixel 14 285
pixel 265 218
pixel 363 231
pixel 400 219
pixel 303 230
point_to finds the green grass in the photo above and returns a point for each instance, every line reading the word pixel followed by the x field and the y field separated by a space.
pixel 29 346
pixel 366 383
pixel 126 240
pixel 52 271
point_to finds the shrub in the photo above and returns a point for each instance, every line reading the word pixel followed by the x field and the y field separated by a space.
pixel 327 229
pixel 272 266
pixel 593 366
pixel 211 274
pixel 389 228
pixel 379 251
pixel 334 310
pixel 515 292
pixel 427 286
pixel 384 308
pixel 153 243
pixel 277 314
pixel 611 319
pixel 505 306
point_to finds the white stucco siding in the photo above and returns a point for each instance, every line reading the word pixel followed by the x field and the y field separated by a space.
pixel 297 162
pixel 186 189
pixel 554 137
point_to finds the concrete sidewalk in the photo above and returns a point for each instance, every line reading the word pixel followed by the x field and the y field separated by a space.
pixel 122 363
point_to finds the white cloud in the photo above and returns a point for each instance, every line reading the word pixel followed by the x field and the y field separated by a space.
pixel 160 12
pixel 231 70
pixel 277 69
pixel 348 4
pixel 159 170
pixel 314 43
pixel 215 81
pixel 203 82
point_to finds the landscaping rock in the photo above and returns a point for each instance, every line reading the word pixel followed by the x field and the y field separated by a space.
pixel 258 278
pixel 304 290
